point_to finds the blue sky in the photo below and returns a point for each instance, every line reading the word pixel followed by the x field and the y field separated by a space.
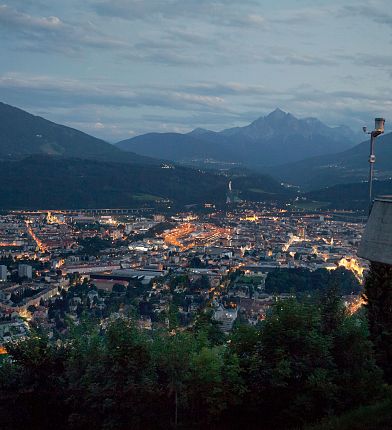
pixel 118 68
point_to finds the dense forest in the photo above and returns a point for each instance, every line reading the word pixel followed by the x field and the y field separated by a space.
pixel 307 361
pixel 65 183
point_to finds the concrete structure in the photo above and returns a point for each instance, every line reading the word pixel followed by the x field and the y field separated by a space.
pixel 24 270
pixel 3 273
pixel 376 243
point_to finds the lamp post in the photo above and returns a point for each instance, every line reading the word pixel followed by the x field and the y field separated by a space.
pixel 378 129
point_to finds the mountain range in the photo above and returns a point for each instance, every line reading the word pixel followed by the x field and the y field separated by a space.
pixel 277 138
pixel 47 165
pixel 349 166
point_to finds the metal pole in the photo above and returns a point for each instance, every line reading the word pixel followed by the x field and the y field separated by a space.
pixel 372 160
pixel 379 124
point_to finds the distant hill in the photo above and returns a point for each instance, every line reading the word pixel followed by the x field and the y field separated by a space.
pixel 51 182
pixel 353 196
pixel 23 134
pixel 274 139
pixel 176 147
pixel 349 166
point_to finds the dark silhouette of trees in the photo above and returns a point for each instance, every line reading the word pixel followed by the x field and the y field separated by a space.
pixel 306 361
pixel 378 298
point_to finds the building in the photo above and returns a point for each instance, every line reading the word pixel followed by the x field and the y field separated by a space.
pixel 25 271
pixel 226 317
pixel 159 218
pixel 3 273
pixel 376 243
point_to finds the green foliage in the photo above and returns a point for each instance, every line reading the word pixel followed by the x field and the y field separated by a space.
pixel 214 384
pixel 306 361
pixel 208 331
pixel 93 245
pixel 74 183
pixel 201 283
pixel 378 297
pixel 297 360
pixel 305 281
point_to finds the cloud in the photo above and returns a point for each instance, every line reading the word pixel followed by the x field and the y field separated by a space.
pixel 298 59
pixel 13 19
pixel 117 111
pixel 189 63
pixel 223 12
pixel 377 61
pixel 303 16
pixel 373 60
pixel 178 40
pixel 173 45
pixel 376 11
pixel 68 92
pixel 228 89
pixel 51 33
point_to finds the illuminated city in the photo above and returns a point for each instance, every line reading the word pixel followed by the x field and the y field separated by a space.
pixel 45 253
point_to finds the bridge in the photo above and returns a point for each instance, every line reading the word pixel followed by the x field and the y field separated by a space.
pixel 96 211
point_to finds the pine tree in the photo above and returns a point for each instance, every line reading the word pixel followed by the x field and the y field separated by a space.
pixel 378 298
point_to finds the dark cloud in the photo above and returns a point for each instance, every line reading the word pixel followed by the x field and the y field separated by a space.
pixel 376 11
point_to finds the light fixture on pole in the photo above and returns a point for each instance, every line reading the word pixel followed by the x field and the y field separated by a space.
pixel 378 129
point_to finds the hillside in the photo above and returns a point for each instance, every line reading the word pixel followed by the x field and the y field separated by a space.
pixel 345 167
pixel 274 139
pixel 23 134
pixel 175 147
pixel 353 196
pixel 52 182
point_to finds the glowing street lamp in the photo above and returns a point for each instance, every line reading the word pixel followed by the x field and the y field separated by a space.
pixel 378 129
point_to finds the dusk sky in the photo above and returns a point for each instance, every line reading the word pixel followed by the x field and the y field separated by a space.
pixel 118 68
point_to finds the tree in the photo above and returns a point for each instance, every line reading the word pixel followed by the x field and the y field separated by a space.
pixel 208 329
pixel 196 262
pixel 332 310
pixel 378 299
pixel 214 384
pixel 119 289
pixel 201 283
pixel 173 317
pixel 33 382
pixel 172 360
pixel 292 370
pixel 358 378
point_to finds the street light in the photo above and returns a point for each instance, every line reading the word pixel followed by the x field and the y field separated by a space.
pixel 378 129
